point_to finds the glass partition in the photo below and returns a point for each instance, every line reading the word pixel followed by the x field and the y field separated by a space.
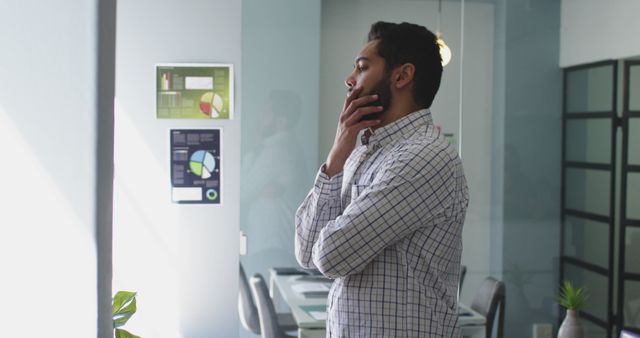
pixel 634 88
pixel 633 196
pixel 583 240
pixel 279 125
pixel 634 140
pixel 590 90
pixel 629 243
pixel 632 250
pixel 589 168
pixel 632 304
pixel 499 103
pixel 589 140
pixel 594 331
pixel 588 190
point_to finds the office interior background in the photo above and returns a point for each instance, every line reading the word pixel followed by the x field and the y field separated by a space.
pixel 84 178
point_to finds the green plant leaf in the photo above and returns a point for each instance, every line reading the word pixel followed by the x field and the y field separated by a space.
pixel 572 298
pixel 122 316
pixel 120 333
pixel 121 299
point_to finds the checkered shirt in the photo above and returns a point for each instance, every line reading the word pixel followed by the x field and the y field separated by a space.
pixel 388 230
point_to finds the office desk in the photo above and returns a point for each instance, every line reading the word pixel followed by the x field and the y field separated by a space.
pixel 281 288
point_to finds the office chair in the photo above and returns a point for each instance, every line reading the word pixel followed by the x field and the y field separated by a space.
pixel 267 315
pixel 488 298
pixel 249 316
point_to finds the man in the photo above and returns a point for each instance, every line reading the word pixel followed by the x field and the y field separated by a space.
pixel 384 219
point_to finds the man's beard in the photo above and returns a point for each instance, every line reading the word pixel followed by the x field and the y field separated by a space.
pixel 383 89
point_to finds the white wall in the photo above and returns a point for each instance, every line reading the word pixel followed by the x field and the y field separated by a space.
pixel 181 259
pixel 596 30
pixel 345 25
pixel 50 244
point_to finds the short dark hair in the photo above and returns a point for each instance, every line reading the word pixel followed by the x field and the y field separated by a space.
pixel 410 43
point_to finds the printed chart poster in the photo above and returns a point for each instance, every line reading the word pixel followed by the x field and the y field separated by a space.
pixel 195 166
pixel 194 91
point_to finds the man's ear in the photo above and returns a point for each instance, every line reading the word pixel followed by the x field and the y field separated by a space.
pixel 403 76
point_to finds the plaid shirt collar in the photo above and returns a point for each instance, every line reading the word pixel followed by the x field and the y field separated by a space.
pixel 397 130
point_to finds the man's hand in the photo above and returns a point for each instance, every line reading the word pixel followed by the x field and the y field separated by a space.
pixel 349 126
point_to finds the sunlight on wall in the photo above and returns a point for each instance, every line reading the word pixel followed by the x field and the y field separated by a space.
pixel 149 266
pixel 47 254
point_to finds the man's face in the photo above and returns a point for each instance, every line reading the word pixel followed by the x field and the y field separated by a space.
pixel 369 74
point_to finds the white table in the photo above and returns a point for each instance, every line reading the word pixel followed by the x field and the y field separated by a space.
pixel 281 290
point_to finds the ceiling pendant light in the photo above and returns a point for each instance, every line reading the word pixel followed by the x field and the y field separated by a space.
pixel 445 51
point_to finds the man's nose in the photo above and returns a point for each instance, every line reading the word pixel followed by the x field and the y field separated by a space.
pixel 350 82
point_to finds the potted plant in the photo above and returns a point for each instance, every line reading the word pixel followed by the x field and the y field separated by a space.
pixel 124 306
pixel 572 299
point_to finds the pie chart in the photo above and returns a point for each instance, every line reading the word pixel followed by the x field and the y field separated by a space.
pixel 211 104
pixel 202 164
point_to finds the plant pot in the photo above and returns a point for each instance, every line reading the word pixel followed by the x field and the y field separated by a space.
pixel 571 326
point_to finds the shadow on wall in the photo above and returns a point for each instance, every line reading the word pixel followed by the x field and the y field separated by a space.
pixel 272 172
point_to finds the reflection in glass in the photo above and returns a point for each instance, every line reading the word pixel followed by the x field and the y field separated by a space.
pixel 593 331
pixel 634 141
pixel 270 183
pixel 632 304
pixel 589 140
pixel 633 196
pixel 590 90
pixel 632 246
pixel 587 240
pixel 588 190
pixel 634 88
pixel 596 286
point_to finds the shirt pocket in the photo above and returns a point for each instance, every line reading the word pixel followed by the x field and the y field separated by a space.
pixel 357 189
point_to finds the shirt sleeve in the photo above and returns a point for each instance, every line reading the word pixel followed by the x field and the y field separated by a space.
pixel 409 192
pixel 321 205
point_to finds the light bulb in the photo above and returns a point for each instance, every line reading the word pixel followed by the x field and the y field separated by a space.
pixel 445 51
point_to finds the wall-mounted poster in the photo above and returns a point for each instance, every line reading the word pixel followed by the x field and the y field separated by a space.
pixel 196 166
pixel 194 91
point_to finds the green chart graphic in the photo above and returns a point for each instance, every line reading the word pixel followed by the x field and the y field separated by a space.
pixel 202 164
pixel 194 91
